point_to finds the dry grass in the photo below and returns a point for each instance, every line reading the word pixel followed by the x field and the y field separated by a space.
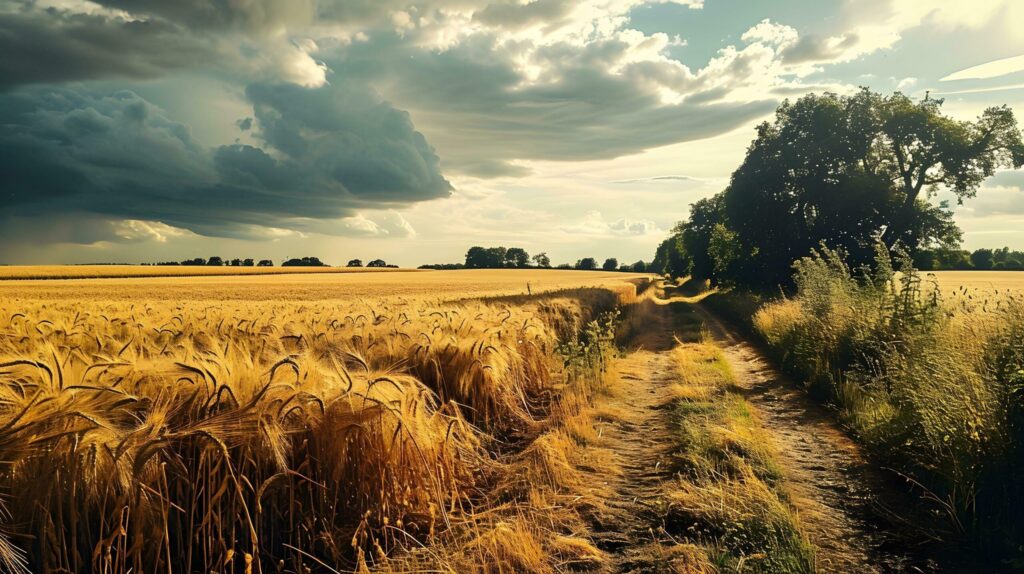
pixel 952 282
pixel 432 286
pixel 203 434
pixel 20 272
pixel 729 500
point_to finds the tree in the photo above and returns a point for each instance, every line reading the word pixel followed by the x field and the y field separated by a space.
pixel 304 262
pixel 476 258
pixel 517 257
pixel 247 263
pixel 638 267
pixel 377 263
pixel 983 259
pixel 846 170
pixel 921 149
pixel 724 251
pixel 215 262
pixel 542 260
pixel 236 262
pixel 610 264
pixel 496 257
pixel 265 263
pixel 671 257
pixel 354 263
pixel 587 264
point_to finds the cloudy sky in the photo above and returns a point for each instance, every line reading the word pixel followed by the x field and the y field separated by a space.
pixel 141 130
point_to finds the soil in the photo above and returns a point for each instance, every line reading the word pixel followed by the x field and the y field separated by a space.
pixel 848 508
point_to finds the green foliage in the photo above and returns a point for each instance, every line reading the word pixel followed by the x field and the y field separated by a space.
pixel 610 264
pixel 297 262
pixel 843 171
pixel 935 388
pixel 671 258
pixel 586 264
pixel 497 258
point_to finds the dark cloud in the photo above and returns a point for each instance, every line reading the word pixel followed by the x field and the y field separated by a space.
pixel 475 107
pixel 255 15
pixel 58 46
pixel 116 155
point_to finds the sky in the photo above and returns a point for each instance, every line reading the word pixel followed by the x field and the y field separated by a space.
pixel 409 130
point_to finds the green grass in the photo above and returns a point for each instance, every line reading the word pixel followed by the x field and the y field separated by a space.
pixel 730 499
pixel 934 389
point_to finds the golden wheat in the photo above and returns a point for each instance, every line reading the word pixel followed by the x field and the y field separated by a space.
pixel 220 435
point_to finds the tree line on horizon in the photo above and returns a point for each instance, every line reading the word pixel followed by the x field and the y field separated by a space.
pixel 517 258
pixel 292 262
pixel 845 172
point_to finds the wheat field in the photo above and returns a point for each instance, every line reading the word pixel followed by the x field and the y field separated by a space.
pixel 12 272
pixel 308 423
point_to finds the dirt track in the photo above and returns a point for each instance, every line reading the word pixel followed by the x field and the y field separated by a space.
pixel 840 498
pixel 846 505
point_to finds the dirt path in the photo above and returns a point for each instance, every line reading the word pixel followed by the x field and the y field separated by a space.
pixel 841 498
pixel 834 489
pixel 640 439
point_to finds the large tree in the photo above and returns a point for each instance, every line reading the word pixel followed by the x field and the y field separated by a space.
pixel 845 170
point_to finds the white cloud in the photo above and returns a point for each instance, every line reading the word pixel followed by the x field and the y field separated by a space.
pixel 138 230
pixel 906 83
pixel 594 223
pixel 987 70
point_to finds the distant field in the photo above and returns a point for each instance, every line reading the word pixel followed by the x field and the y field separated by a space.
pixel 432 285
pixel 112 271
pixel 952 281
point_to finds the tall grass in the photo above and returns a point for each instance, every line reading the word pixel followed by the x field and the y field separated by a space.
pixel 730 498
pixel 934 387
pixel 267 438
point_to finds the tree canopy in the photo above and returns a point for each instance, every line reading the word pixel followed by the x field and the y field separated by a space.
pixel 842 171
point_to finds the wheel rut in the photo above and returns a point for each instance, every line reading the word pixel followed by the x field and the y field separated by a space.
pixel 849 508
pixel 842 500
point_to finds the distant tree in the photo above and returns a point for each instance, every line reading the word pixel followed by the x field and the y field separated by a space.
pixel 304 262
pixel 196 261
pixel 610 264
pixel 983 259
pixel 586 264
pixel 541 260
pixel 377 263
pixel 638 267
pixel 215 262
pixel 496 257
pixel 236 262
pixel 564 266
pixel 476 258
pixel 355 263
pixel 671 257
pixel 265 263
pixel 442 266
pixel 517 258
pixel 247 263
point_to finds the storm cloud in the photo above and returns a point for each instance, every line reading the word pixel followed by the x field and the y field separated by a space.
pixel 339 107
pixel 117 155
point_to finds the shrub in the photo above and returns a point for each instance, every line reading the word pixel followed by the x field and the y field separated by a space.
pixel 933 387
